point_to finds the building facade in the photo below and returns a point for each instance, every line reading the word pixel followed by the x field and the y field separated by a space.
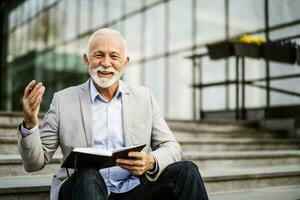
pixel 46 39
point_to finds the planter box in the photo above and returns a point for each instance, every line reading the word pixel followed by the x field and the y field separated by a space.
pixel 279 53
pixel 220 50
pixel 298 55
pixel 248 49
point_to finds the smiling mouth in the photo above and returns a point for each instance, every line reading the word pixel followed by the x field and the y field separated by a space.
pixel 102 73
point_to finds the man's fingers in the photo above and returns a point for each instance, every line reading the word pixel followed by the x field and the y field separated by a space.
pixel 136 154
pixel 37 103
pixel 133 169
pixel 37 94
pixel 29 88
pixel 35 89
pixel 129 162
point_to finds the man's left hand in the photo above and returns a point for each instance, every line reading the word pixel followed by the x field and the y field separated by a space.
pixel 138 162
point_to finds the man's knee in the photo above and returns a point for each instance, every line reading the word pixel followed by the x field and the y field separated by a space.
pixel 186 167
pixel 88 171
pixel 87 175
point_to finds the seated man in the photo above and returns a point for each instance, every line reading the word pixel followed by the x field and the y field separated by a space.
pixel 105 112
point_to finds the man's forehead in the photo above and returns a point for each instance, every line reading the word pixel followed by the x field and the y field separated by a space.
pixel 107 40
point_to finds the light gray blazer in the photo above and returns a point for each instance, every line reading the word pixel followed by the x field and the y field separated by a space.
pixel 68 124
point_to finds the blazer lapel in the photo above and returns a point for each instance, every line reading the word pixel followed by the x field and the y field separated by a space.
pixel 86 108
pixel 126 115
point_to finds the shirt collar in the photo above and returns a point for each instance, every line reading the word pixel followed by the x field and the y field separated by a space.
pixel 96 95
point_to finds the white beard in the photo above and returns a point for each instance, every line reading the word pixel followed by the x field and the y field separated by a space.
pixel 102 81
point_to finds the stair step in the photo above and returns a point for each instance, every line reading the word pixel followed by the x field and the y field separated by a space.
pixel 13 118
pixel 191 126
pixel 25 187
pixel 291 192
pixel 11 165
pixel 229 179
pixel 8 131
pixel 214 181
pixel 9 145
pixel 261 134
pixel 206 160
pixel 238 144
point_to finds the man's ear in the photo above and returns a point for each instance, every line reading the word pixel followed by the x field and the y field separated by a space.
pixel 127 60
pixel 86 60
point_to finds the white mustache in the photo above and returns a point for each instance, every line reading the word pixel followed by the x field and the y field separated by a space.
pixel 105 69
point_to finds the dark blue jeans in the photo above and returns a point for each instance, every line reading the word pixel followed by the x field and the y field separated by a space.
pixel 180 180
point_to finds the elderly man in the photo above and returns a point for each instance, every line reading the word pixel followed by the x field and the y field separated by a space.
pixel 105 112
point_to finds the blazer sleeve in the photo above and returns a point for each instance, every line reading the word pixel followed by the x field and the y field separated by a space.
pixel 166 149
pixel 38 148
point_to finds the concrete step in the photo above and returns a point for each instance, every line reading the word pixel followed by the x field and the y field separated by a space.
pixel 25 187
pixel 261 134
pixel 192 126
pixel 223 129
pixel 291 192
pixel 8 131
pixel 9 145
pixel 9 118
pixel 238 144
pixel 207 160
pixel 14 118
pixel 39 186
pixel 11 165
pixel 229 179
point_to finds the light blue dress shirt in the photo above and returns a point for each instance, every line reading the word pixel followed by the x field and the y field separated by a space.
pixel 108 134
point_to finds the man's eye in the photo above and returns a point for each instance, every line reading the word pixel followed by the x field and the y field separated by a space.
pixel 115 57
pixel 98 56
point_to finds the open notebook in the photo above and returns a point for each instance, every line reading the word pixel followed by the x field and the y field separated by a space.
pixel 96 157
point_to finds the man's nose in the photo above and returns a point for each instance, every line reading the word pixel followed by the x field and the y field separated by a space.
pixel 106 62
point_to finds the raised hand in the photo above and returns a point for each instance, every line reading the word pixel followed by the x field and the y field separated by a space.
pixel 31 103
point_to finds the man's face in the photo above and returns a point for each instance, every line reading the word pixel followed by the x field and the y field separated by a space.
pixel 106 59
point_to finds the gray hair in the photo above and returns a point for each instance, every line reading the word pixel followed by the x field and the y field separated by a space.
pixel 105 31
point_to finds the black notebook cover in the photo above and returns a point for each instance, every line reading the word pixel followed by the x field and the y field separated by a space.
pixel 77 159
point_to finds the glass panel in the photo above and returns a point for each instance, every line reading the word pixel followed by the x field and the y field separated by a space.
pixel 132 74
pixel 214 98
pixel 148 2
pixel 27 8
pixel 71 20
pixel 212 70
pixel 155 29
pixel 60 21
pixel 53 27
pixel 132 34
pixel 98 13
pixel 254 68
pixel 279 69
pixel 133 5
pixel 180 15
pixel 84 11
pixel 180 90
pixel 246 17
pixel 282 11
pixel 115 10
pixel 155 79
pixel 210 17
pixel 255 97
pixel 18 42
pixel 289 85
pixel 12 19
